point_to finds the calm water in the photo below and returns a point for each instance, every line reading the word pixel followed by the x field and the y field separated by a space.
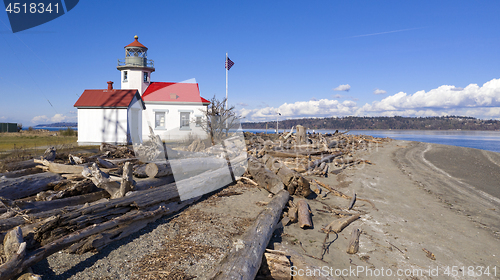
pixel 485 140
pixel 51 128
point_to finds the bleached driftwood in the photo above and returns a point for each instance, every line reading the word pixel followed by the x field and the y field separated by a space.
pixel 339 224
pixel 60 168
pixel 59 244
pixel 304 214
pixel 50 154
pixel 353 246
pixel 264 177
pixel 24 186
pixel 245 258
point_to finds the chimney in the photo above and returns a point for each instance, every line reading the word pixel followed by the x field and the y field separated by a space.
pixel 110 85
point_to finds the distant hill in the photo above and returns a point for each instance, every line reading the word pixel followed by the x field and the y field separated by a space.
pixel 59 124
pixel 427 123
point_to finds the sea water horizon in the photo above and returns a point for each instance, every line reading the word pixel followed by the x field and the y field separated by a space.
pixel 50 128
pixel 483 140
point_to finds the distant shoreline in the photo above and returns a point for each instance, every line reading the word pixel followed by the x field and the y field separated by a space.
pixel 381 123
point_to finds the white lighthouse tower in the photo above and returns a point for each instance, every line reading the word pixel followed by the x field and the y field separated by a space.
pixel 135 69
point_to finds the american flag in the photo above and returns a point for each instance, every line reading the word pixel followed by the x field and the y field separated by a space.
pixel 229 63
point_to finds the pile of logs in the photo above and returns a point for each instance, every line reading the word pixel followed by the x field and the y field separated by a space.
pixel 310 154
pixel 81 203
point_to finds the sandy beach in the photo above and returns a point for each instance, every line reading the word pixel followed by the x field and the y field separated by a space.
pixel 433 215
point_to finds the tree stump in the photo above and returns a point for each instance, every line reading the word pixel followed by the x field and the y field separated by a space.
pixel 301 135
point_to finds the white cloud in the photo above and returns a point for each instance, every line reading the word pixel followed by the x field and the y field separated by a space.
pixel 338 96
pixel 473 100
pixel 58 118
pixel 440 99
pixel 39 119
pixel 311 108
pixel 313 99
pixel 242 104
pixel 3 118
pixel 53 119
pixel 345 87
pixel 379 91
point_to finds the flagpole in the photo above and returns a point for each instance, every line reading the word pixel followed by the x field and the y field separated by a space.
pixel 226 79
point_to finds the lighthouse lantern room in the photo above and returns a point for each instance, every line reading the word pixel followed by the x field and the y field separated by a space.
pixel 136 68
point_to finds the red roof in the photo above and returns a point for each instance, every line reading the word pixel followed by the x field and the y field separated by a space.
pixel 136 43
pixel 174 92
pixel 104 98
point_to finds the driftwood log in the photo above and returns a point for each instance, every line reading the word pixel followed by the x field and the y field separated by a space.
pixel 60 244
pixel 20 165
pixel 103 181
pixel 325 159
pixel 338 225
pixel 20 173
pixel 264 177
pixel 353 246
pixel 106 164
pixel 245 258
pixel 300 263
pixel 275 266
pixel 12 241
pixel 104 238
pixel 294 182
pixel 353 200
pixel 60 168
pixel 293 214
pixel 50 154
pixel 190 166
pixel 16 188
pixel 304 214
pixel 12 267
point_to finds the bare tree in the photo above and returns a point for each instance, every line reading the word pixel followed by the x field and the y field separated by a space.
pixel 218 120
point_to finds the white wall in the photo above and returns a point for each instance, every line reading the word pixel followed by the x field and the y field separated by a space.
pixel 102 125
pixel 172 130
pixel 135 80
pixel 134 113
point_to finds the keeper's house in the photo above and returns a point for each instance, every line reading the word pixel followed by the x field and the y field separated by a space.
pixel 109 115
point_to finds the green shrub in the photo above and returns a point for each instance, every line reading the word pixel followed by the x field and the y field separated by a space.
pixel 67 132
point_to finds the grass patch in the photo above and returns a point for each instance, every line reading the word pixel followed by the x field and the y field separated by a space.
pixel 26 144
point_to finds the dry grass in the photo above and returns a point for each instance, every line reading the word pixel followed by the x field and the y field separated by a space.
pixel 33 140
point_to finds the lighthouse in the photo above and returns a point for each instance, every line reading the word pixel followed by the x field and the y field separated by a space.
pixel 136 68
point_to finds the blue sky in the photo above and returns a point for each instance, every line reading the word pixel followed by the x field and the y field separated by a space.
pixel 410 58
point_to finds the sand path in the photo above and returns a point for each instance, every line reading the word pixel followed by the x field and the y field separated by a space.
pixel 419 206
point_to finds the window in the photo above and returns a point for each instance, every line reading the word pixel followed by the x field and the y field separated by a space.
pixel 146 76
pixel 159 119
pixel 125 76
pixel 198 121
pixel 184 120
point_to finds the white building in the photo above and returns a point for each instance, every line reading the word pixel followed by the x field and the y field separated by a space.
pixel 173 110
pixel 109 115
